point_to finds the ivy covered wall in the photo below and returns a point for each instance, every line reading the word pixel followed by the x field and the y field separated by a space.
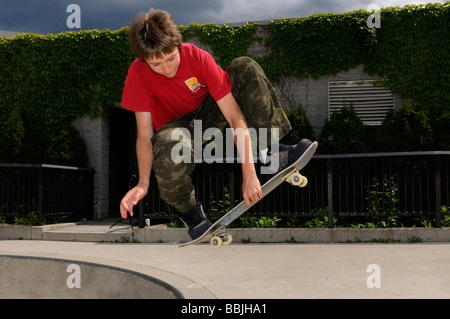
pixel 47 81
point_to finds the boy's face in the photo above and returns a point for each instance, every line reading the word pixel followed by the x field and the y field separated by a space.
pixel 167 65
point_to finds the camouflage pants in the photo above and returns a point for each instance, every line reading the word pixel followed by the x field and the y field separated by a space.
pixel 260 106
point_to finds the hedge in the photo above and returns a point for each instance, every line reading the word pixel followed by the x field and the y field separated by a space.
pixel 47 81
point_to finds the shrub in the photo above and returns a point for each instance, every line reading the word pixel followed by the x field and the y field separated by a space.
pixel 405 129
pixel 343 133
pixel 301 127
pixel 66 147
pixel 12 134
pixel 441 131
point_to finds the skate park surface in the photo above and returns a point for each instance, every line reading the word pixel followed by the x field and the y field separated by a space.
pixel 404 270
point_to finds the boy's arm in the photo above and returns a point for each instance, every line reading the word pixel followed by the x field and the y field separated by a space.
pixel 144 150
pixel 251 187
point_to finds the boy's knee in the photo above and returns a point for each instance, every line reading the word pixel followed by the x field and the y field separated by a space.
pixel 241 63
pixel 167 142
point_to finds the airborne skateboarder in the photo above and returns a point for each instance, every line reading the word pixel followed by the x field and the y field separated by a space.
pixel 170 85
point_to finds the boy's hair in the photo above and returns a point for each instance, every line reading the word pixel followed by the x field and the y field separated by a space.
pixel 154 34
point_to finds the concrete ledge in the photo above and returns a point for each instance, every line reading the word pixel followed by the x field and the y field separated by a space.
pixel 83 232
pixel 92 232
pixel 88 236
pixel 344 235
pixel 11 232
pixel 305 235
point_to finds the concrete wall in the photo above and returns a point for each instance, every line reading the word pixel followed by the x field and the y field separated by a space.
pixel 95 132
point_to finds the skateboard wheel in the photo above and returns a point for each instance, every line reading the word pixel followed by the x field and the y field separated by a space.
pixel 216 242
pixel 304 181
pixel 298 180
pixel 227 239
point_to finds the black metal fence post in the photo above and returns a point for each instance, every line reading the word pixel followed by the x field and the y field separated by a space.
pixel 40 193
pixel 437 174
pixel 330 192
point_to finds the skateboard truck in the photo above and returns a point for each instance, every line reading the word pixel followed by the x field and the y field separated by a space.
pixel 220 237
pixel 295 178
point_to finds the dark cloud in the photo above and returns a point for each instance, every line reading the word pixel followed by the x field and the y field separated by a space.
pixel 185 12
pixel 29 16
pixel 49 16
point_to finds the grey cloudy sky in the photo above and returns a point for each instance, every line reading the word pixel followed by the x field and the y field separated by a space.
pixel 49 16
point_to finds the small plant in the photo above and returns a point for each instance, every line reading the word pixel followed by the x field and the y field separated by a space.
pixel 383 196
pixel 266 222
pixel 426 221
pixel 293 222
pixel 60 219
pixel 380 222
pixel 414 239
pixel 247 222
pixel 384 241
pixel 254 222
pixel 445 217
pixel 319 222
pixel 221 207
pixel 290 241
pixel 176 223
pixel 357 240
pixel 31 219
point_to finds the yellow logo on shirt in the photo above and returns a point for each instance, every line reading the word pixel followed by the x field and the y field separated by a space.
pixel 193 84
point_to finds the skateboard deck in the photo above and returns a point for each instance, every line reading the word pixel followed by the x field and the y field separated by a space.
pixel 290 174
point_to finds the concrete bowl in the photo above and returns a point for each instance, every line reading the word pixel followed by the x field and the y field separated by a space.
pixel 23 277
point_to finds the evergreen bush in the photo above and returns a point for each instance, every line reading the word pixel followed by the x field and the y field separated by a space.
pixel 343 133
pixel 405 129
pixel 301 126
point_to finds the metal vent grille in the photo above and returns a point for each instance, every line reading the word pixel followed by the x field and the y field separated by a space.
pixel 371 102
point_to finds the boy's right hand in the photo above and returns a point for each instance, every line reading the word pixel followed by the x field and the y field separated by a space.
pixel 131 199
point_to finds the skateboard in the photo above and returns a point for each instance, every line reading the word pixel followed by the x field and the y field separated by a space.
pixel 290 174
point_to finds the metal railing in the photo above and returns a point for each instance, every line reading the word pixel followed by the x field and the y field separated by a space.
pixel 378 184
pixel 49 191
pixel 388 184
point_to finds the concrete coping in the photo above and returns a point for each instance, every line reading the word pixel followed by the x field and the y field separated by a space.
pixel 94 232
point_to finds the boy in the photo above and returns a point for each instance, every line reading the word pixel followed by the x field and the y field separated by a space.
pixel 172 84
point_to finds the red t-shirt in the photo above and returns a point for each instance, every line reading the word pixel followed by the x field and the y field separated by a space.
pixel 198 75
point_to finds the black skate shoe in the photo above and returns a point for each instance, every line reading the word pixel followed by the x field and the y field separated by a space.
pixel 195 221
pixel 283 157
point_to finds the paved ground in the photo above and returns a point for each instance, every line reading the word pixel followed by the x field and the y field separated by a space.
pixel 402 270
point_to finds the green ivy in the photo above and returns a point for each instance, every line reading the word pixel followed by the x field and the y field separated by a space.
pixel 321 44
pixel 226 41
pixel 412 51
pixel 47 81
